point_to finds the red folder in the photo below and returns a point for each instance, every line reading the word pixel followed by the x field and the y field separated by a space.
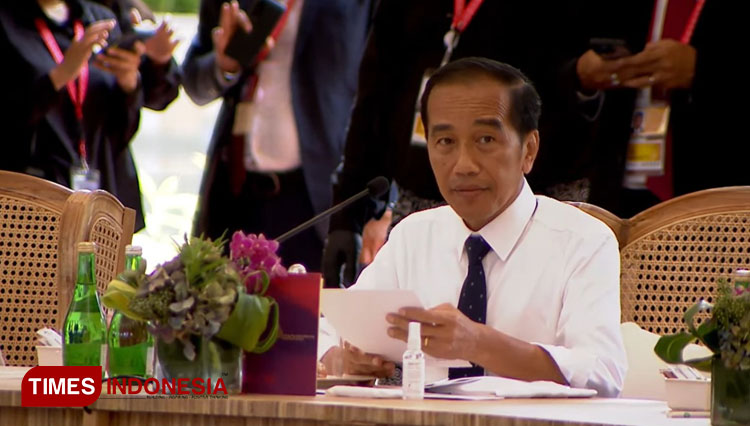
pixel 290 366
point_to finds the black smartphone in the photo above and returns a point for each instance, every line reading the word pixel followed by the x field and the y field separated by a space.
pixel 264 15
pixel 127 40
pixel 609 48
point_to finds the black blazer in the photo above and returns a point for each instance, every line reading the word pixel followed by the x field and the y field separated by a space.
pixel 330 40
pixel 710 149
pixel 41 132
pixel 543 39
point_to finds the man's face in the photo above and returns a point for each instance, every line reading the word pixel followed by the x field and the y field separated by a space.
pixel 478 158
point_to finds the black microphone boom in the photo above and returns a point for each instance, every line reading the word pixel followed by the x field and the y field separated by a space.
pixel 375 188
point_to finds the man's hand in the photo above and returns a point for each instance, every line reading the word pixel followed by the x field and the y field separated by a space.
pixel 357 362
pixel 80 51
pixel 373 237
pixel 123 64
pixel 230 19
pixel 446 332
pixel 597 73
pixel 341 249
pixel 665 64
pixel 160 47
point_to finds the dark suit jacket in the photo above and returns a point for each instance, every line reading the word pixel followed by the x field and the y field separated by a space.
pixel 41 132
pixel 323 81
pixel 709 147
pixel 543 39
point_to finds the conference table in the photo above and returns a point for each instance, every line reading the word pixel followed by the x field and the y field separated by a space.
pixel 273 410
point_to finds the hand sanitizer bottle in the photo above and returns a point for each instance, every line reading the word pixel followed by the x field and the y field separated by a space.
pixel 413 364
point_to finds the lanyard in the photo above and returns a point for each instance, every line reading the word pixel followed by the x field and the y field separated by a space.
pixel 462 16
pixel 687 34
pixel 77 93
pixel 249 91
pixel 660 12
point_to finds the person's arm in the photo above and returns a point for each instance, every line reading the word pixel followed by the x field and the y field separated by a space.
pixel 160 74
pixel 380 274
pixel 161 83
pixel 207 72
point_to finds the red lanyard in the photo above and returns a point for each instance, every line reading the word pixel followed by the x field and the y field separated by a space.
pixel 690 27
pixel 277 29
pixel 252 84
pixel 463 14
pixel 687 33
pixel 77 94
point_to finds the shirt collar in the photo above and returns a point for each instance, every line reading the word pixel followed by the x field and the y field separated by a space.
pixel 504 231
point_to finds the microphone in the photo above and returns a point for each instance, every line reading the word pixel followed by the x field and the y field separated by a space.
pixel 375 188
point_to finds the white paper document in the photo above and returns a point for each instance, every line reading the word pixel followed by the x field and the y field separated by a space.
pixel 394 393
pixel 359 318
pixel 506 388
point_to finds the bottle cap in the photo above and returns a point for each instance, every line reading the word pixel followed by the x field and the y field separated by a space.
pixel 86 247
pixel 415 336
pixel 133 250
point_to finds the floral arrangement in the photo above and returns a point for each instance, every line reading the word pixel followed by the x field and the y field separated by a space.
pixel 726 333
pixel 201 292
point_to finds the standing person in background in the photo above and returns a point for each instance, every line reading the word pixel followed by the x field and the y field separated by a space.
pixel 544 39
pixel 73 113
pixel 160 74
pixel 688 67
pixel 280 131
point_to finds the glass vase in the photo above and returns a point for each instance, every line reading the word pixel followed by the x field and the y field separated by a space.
pixel 730 395
pixel 214 359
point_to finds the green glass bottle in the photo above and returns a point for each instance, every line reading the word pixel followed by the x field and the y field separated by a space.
pixel 84 330
pixel 131 346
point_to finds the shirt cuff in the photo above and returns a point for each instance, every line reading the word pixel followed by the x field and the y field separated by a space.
pixel 575 365
pixel 225 79
pixel 327 337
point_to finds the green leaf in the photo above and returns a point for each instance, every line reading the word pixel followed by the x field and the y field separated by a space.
pixel 702 364
pixel 669 347
pixel 118 296
pixel 273 333
pixel 701 306
pixel 247 322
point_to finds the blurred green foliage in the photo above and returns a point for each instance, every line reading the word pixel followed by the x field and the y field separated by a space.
pixel 173 6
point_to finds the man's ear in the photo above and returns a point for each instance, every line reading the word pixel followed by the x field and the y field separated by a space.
pixel 530 150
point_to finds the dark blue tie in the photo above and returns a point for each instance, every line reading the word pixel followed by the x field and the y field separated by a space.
pixel 473 299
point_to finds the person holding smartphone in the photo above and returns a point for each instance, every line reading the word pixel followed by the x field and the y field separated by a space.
pixel 70 114
pixel 287 98
pixel 409 40
pixel 159 72
pixel 687 69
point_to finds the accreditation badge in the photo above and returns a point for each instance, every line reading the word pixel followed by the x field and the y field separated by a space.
pixel 85 178
pixel 243 114
pixel 418 134
pixel 647 147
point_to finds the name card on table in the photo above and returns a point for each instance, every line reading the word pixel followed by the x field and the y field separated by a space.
pixel 290 366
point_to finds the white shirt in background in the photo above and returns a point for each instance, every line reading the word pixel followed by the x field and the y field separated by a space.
pixel 272 144
pixel 552 279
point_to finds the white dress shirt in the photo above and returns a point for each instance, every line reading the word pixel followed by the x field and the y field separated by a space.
pixel 552 279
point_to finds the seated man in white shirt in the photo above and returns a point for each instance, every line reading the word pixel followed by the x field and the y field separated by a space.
pixel 521 286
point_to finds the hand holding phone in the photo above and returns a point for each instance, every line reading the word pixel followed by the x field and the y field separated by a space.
pixel 127 40
pixel 245 46
pixel 231 19
pixel 609 48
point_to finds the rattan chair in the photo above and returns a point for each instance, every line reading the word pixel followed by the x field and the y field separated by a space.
pixel 40 224
pixel 673 253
